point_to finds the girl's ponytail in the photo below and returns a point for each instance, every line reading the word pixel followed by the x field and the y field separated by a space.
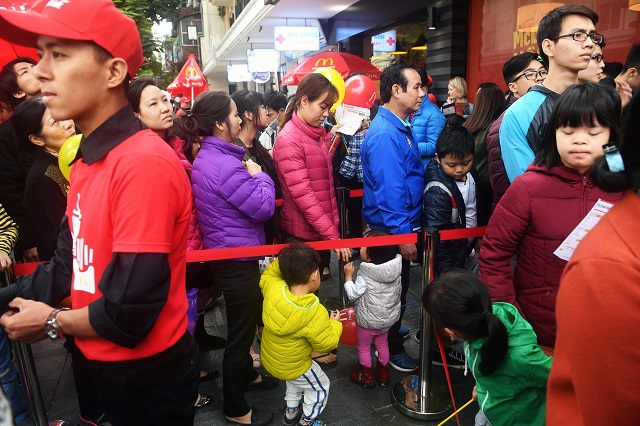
pixel 495 348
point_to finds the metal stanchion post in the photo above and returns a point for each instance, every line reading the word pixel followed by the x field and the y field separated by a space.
pixel 342 211
pixel 421 395
pixel 30 381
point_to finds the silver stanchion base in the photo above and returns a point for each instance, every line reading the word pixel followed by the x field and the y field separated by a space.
pixel 405 399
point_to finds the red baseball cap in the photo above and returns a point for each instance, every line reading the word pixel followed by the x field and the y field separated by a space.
pixel 429 80
pixel 184 99
pixel 91 20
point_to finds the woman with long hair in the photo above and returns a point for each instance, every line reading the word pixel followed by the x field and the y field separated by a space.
pixel 544 205
pixel 233 200
pixel 303 162
pixel 489 104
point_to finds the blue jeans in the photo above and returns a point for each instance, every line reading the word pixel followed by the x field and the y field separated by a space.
pixel 10 382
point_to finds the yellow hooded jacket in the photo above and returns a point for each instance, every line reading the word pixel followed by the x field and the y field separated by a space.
pixel 293 327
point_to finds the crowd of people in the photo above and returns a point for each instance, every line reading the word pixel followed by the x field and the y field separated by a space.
pixel 149 183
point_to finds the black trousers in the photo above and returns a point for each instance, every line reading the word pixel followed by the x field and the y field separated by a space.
pixel 159 390
pixel 240 285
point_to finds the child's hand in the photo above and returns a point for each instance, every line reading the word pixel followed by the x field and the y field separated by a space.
pixel 335 315
pixel 474 395
pixel 5 261
pixel 349 269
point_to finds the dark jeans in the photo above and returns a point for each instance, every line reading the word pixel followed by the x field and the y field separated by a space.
pixel 325 255
pixel 354 207
pixel 159 390
pixel 396 340
pixel 240 284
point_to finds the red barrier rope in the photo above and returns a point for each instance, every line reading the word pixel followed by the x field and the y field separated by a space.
pixel 256 251
pixel 456 234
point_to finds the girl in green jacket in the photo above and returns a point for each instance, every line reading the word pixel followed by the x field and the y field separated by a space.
pixel 501 349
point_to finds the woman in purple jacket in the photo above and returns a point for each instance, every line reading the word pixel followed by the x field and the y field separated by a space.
pixel 232 201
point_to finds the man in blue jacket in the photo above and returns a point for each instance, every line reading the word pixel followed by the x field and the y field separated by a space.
pixel 427 125
pixel 393 179
pixel 566 40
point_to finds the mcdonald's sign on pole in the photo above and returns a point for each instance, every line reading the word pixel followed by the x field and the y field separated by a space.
pixel 296 38
pixel 190 81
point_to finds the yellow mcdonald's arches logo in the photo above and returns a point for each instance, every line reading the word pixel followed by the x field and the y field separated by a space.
pixel 325 62
pixel 191 72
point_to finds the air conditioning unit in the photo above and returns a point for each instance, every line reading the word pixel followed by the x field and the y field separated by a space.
pixel 222 2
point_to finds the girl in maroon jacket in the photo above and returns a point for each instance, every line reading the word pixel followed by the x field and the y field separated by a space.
pixel 543 206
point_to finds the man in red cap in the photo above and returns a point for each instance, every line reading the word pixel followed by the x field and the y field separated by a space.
pixel 185 104
pixel 121 250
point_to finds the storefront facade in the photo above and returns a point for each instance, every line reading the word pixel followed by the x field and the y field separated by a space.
pixel 499 29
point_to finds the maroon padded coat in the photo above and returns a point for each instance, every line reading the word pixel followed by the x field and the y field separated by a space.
pixel 538 211
pixel 303 164
pixel 497 173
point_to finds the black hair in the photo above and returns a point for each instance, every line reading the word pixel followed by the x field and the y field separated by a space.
pixel 380 254
pixel 551 24
pixel 580 105
pixel 9 81
pixel 247 101
pixel 134 94
pixel 298 262
pixel 424 77
pixel 633 58
pixel 454 120
pixel 275 100
pixel 27 120
pixel 208 109
pixel 312 86
pixel 612 69
pixel 456 141
pixel 460 301
pixel 393 74
pixel 515 65
pixel 629 147
pixel 489 104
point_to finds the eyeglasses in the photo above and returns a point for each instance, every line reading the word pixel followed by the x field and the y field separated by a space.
pixel 582 36
pixel 598 57
pixel 532 75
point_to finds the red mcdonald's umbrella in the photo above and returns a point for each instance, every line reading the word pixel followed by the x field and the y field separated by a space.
pixel 10 51
pixel 344 63
pixel 189 80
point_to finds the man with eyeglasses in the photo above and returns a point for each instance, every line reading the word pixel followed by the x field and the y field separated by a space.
pixel 521 73
pixel 566 41
pixel 594 72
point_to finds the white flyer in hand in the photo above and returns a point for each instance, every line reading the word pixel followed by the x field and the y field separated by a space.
pixel 351 117
pixel 568 246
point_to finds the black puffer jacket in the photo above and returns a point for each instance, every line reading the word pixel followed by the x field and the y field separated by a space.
pixel 438 213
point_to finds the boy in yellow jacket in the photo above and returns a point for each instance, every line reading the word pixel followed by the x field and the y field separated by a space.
pixel 295 324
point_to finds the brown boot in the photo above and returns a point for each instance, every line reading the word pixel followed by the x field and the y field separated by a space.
pixel 364 377
pixel 382 374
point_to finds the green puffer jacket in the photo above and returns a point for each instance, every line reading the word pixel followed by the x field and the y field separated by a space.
pixel 515 394
pixel 294 326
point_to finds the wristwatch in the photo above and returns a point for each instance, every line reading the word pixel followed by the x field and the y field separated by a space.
pixel 51 325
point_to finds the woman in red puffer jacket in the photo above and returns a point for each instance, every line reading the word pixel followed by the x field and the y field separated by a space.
pixel 302 155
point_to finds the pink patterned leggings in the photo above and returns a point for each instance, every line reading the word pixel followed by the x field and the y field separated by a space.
pixel 379 339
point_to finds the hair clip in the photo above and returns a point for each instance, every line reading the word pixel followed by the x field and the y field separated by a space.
pixel 613 157
pixel 188 112
pixel 539 59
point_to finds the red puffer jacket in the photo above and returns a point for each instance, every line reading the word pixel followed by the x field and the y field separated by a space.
pixel 538 211
pixel 303 164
